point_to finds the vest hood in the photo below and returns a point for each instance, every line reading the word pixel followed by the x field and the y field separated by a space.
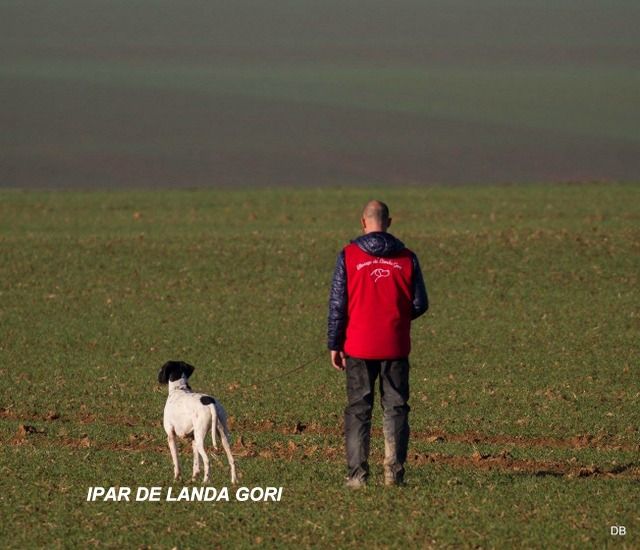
pixel 379 243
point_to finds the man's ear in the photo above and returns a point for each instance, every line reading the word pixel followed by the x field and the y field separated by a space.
pixel 389 223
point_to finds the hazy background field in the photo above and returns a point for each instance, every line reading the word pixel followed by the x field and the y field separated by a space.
pixel 191 93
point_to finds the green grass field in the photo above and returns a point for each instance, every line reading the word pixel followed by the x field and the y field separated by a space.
pixel 524 371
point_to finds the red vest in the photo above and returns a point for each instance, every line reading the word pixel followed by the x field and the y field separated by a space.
pixel 379 304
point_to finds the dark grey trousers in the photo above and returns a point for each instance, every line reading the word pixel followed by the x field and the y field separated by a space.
pixel 394 394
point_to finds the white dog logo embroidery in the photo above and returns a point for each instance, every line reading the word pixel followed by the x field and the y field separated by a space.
pixel 380 273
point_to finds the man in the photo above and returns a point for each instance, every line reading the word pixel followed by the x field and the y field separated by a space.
pixel 377 290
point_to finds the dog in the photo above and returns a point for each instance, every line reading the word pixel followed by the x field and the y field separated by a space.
pixel 191 415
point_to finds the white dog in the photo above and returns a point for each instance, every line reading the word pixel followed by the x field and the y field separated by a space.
pixel 189 414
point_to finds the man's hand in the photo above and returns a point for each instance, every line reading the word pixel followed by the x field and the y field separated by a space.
pixel 338 360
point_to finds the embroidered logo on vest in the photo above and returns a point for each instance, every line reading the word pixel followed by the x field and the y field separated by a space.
pixel 380 273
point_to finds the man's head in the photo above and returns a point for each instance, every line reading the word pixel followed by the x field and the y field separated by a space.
pixel 375 217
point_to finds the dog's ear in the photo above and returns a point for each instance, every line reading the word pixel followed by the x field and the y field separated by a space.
pixel 187 369
pixel 168 372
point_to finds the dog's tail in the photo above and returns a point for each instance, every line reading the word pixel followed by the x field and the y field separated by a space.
pixel 214 423
pixel 222 421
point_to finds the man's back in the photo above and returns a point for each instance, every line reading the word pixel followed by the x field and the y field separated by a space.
pixel 379 287
pixel 377 290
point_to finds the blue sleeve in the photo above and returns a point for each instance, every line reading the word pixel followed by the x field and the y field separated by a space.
pixel 337 306
pixel 420 297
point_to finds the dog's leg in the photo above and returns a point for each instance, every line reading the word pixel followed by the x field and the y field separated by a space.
pixel 173 448
pixel 222 428
pixel 196 460
pixel 198 441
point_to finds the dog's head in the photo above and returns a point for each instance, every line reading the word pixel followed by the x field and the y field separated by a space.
pixel 174 370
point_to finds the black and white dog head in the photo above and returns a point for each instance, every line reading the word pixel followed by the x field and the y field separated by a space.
pixel 175 371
